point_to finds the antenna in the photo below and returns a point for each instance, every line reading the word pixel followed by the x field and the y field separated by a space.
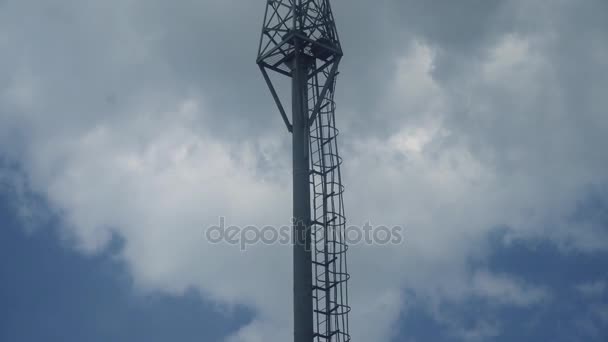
pixel 299 40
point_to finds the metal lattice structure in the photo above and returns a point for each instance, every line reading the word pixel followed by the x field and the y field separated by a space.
pixel 300 41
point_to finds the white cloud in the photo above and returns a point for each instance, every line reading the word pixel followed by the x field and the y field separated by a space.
pixel 592 289
pixel 505 290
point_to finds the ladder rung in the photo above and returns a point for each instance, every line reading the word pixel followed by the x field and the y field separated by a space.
pixel 328 141
pixel 330 170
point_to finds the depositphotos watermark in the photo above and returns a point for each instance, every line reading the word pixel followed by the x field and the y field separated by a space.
pixel 283 235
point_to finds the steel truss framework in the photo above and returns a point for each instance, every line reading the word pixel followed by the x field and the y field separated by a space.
pixel 299 40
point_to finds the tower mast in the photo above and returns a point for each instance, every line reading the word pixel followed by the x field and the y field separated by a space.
pixel 299 40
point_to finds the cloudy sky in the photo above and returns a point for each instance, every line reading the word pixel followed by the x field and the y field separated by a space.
pixel 129 126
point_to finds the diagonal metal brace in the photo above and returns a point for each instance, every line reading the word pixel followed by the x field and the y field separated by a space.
pixel 328 83
pixel 276 99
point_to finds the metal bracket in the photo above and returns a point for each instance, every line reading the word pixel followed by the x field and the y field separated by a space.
pixel 276 99
pixel 328 84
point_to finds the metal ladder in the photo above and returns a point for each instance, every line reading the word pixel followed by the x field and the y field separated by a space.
pixel 328 247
